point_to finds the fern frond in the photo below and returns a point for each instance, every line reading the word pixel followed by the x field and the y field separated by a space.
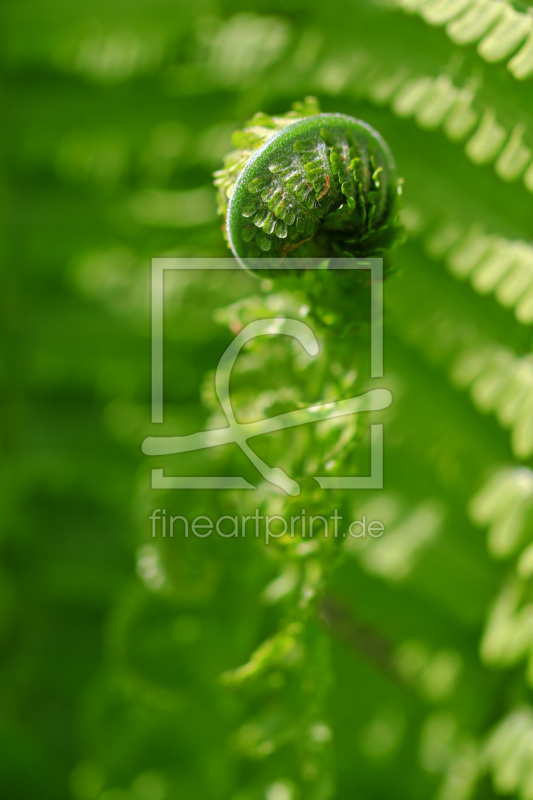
pixel 497 27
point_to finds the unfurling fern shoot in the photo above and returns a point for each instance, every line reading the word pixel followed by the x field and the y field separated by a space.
pixel 309 185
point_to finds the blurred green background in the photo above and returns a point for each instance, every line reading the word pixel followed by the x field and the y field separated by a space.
pixel 401 668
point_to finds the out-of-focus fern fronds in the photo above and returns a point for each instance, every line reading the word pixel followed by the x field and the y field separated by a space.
pixel 497 27
pixel 136 668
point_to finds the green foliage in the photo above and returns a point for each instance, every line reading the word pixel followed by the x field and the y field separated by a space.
pixel 308 185
pixel 224 669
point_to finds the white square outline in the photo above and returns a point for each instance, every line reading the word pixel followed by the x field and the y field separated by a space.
pixel 158 267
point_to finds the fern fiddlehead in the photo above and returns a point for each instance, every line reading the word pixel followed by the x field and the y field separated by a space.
pixel 309 185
